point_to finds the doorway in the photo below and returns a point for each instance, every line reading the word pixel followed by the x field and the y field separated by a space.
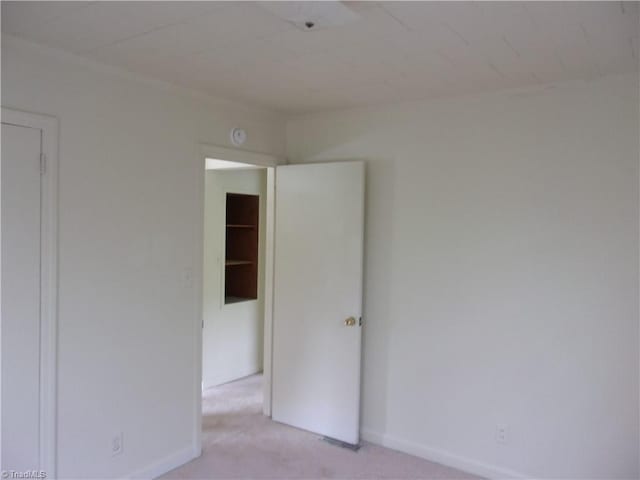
pixel 233 272
pixel 215 158
pixel 210 155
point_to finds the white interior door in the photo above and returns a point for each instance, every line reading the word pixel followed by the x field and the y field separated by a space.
pixel 319 230
pixel 20 305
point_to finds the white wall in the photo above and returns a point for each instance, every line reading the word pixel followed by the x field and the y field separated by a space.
pixel 232 338
pixel 129 234
pixel 501 277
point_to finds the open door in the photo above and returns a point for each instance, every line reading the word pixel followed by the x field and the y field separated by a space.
pixel 317 310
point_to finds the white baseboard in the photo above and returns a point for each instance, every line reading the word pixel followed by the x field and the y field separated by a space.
pixel 166 464
pixel 440 456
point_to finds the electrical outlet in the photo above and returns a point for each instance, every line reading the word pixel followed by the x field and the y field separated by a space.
pixel 117 444
pixel 502 433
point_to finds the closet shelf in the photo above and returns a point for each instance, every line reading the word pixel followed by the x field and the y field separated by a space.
pixel 230 299
pixel 229 262
pixel 231 225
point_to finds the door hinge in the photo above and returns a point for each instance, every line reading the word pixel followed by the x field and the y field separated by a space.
pixel 360 321
pixel 43 164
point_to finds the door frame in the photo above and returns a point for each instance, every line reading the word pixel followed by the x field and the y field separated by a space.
pixel 48 126
pixel 261 160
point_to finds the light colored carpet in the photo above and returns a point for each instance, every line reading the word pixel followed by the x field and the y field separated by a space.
pixel 239 442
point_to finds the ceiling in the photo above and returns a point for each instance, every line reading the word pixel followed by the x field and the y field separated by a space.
pixel 383 52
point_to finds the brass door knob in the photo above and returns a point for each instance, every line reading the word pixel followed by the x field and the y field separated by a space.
pixel 350 322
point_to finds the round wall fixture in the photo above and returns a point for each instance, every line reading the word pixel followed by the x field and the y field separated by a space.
pixel 238 136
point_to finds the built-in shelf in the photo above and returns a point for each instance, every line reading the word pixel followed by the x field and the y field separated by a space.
pixel 241 253
pixel 230 299
pixel 229 263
